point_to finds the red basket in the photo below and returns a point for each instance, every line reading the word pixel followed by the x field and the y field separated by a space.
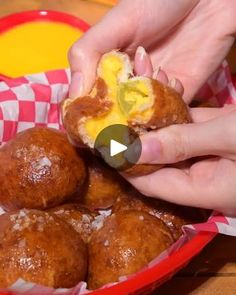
pixel 15 19
pixel 153 277
pixel 10 21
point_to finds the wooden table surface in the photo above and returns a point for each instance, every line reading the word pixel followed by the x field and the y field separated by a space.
pixel 213 272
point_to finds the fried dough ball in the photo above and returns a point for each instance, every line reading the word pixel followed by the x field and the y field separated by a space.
pixel 141 103
pixel 40 248
pixel 174 216
pixel 126 243
pixel 79 217
pixel 104 184
pixel 39 169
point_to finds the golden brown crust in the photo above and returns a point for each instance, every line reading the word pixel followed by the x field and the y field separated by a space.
pixel 174 216
pixel 126 243
pixel 78 216
pixel 40 248
pixel 39 169
pixel 141 169
pixel 83 108
pixel 104 184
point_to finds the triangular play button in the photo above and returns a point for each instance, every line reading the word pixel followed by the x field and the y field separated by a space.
pixel 116 147
pixel 119 146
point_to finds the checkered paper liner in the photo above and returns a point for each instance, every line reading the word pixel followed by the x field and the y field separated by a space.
pixel 33 100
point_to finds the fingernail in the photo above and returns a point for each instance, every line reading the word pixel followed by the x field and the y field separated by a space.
pixel 141 52
pixel 76 86
pixel 172 83
pixel 151 150
pixel 143 65
pixel 156 72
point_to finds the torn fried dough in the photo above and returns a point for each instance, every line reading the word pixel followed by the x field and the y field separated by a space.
pixel 118 97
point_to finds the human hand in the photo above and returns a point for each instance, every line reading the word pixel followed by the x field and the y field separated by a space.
pixel 207 183
pixel 187 38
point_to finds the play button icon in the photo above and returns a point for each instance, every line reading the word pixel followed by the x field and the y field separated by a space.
pixel 119 146
pixel 116 147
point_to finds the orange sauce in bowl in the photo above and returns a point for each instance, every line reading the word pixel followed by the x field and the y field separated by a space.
pixel 35 47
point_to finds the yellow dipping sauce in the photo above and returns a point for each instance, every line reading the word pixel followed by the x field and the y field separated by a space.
pixel 35 47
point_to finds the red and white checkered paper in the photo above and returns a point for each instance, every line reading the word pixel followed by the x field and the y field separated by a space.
pixel 33 100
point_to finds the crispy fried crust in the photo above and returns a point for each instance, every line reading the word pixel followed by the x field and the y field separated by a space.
pixel 169 109
pixel 40 248
pixel 39 169
pixel 79 110
pixel 104 184
pixel 141 169
pixel 126 243
pixel 174 216
pixel 79 217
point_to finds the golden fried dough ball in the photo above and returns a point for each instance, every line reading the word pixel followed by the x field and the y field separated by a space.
pixel 79 217
pixel 141 103
pixel 39 169
pixel 104 185
pixel 174 216
pixel 126 243
pixel 40 248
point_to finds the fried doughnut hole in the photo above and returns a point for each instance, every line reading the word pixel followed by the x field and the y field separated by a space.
pixel 39 169
pixel 126 243
pixel 40 248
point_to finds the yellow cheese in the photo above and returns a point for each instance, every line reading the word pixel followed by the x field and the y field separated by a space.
pixel 109 71
pixel 132 99
pixel 36 46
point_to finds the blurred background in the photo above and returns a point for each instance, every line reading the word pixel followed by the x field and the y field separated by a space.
pixel 90 11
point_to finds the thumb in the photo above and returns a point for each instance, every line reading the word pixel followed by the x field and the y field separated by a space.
pixel 83 62
pixel 180 142
pixel 84 55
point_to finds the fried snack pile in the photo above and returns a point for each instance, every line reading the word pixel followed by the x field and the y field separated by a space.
pixel 72 240
pixel 118 97
pixel 39 169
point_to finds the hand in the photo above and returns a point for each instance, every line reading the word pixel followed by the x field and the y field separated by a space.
pixel 207 183
pixel 187 38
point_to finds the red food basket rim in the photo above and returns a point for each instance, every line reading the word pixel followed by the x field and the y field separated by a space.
pixel 12 20
pixel 169 265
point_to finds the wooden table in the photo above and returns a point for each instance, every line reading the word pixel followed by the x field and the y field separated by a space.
pixel 213 272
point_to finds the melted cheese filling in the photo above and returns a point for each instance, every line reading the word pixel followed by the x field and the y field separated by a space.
pixel 36 47
pixel 132 99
